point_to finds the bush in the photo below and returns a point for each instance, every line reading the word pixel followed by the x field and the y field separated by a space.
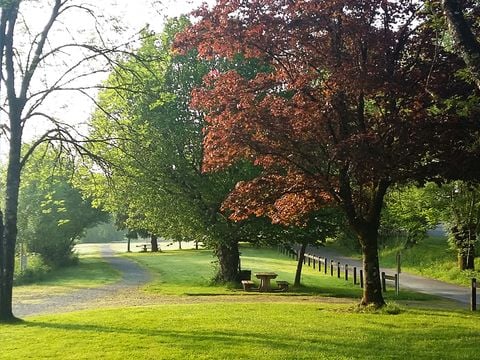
pixel 36 270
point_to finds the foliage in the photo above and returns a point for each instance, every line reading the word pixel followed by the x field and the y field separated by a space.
pixel 155 180
pixel 410 212
pixel 34 42
pixel 52 214
pixel 36 271
pixel 102 233
pixel 464 28
pixel 342 113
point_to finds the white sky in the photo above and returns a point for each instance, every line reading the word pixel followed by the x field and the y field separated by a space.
pixel 127 15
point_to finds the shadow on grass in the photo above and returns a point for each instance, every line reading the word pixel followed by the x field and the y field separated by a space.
pixel 409 338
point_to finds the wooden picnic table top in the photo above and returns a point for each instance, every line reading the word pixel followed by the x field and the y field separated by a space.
pixel 266 274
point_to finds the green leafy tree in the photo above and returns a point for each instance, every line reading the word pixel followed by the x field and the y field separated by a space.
pixel 155 178
pixel 52 214
pixel 409 212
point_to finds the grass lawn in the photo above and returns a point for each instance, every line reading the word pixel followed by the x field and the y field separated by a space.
pixel 244 331
pixel 189 272
pixel 92 271
pixel 251 326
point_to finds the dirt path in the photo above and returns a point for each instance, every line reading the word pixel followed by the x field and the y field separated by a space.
pixel 133 277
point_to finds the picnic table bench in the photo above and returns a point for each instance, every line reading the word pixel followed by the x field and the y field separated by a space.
pixel 247 285
pixel 144 247
pixel 282 285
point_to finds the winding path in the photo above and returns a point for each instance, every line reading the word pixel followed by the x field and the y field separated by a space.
pixel 133 276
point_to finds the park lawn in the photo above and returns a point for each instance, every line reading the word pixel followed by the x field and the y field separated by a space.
pixel 289 330
pixel 91 271
pixel 189 272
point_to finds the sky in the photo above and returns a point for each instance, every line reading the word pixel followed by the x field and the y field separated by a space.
pixel 121 19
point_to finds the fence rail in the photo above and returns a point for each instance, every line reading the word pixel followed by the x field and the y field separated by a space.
pixel 336 268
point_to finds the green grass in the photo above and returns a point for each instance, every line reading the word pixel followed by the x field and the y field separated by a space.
pixel 189 272
pixel 91 271
pixel 431 258
pixel 244 331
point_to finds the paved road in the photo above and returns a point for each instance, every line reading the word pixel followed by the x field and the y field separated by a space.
pixel 133 276
pixel 407 281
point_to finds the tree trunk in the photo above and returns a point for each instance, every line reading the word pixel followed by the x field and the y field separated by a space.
pixel 10 228
pixel 154 242
pixel 465 40
pixel 228 262
pixel 466 260
pixel 372 290
pixel 301 256
pixel 465 238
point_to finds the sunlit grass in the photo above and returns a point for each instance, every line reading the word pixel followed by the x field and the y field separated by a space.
pixel 91 271
pixel 189 272
pixel 244 331
pixel 433 258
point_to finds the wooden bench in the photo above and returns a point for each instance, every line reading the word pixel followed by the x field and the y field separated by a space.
pixel 247 285
pixel 282 285
pixel 144 247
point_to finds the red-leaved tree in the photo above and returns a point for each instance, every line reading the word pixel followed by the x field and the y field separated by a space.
pixel 350 102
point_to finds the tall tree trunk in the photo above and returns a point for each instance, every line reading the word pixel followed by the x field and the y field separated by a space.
pixel 301 256
pixel 372 290
pixel 228 261
pixel 10 228
pixel 154 242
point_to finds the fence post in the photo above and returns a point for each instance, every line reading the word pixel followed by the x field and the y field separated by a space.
pixel 346 272
pixel 319 264
pixel 331 267
pixel 361 278
pixel 354 275
pixel 308 260
pixel 338 269
pixel 314 263
pixel 473 304
pixel 397 288
pixel 326 266
pixel 384 285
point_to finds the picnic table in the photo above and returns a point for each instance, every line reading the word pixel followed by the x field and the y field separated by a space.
pixel 265 278
pixel 144 247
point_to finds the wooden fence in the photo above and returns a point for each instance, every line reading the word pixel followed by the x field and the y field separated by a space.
pixel 333 267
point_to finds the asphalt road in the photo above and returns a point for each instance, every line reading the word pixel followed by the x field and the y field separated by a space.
pixel 407 281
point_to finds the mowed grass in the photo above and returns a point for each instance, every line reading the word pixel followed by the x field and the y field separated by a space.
pixel 244 331
pixel 91 271
pixel 189 272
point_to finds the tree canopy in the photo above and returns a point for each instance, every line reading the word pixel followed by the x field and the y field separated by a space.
pixel 353 100
pixel 155 178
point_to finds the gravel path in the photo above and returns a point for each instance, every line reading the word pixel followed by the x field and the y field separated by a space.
pixel 407 281
pixel 133 276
